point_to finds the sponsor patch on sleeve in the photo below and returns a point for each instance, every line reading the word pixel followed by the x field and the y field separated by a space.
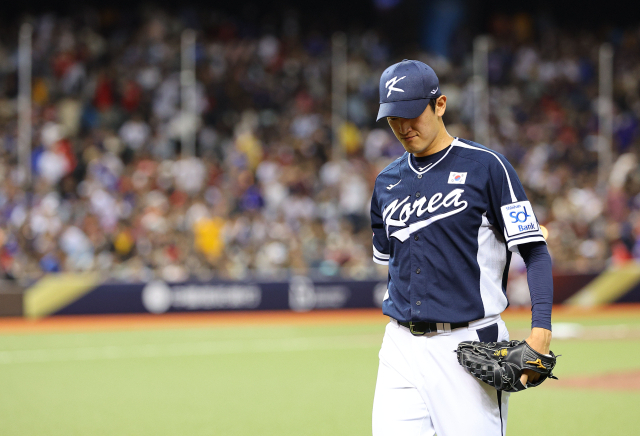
pixel 519 219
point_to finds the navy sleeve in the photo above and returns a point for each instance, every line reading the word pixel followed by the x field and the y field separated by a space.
pixel 380 239
pixel 540 279
pixel 510 210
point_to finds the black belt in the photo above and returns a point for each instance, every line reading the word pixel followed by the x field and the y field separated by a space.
pixel 422 328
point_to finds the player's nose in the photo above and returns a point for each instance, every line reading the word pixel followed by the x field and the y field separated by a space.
pixel 405 126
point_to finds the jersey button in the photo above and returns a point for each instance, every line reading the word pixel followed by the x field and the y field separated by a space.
pixel 418 303
pixel 419 176
pixel 418 271
pixel 417 194
pixel 415 238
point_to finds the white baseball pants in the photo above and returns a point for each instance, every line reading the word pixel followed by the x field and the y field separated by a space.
pixel 422 389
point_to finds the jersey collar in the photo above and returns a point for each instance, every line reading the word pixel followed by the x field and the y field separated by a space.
pixel 429 167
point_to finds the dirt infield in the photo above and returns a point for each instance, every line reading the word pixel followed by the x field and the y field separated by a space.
pixel 186 320
pixel 620 381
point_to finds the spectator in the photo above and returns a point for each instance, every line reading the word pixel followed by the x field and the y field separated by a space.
pixel 265 194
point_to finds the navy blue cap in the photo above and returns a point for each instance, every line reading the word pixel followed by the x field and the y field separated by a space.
pixel 406 88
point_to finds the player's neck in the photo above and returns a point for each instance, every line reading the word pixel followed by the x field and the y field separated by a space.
pixel 440 142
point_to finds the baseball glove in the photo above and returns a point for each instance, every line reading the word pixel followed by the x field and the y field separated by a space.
pixel 500 364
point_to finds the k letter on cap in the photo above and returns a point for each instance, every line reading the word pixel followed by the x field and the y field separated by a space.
pixel 406 88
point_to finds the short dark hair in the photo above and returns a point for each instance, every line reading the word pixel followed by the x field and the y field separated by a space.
pixel 432 103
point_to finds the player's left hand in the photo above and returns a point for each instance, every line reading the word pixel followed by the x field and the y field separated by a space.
pixel 539 340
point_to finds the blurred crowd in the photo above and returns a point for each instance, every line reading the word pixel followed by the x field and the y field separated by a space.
pixel 270 189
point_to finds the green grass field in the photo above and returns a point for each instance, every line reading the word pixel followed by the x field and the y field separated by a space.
pixel 271 380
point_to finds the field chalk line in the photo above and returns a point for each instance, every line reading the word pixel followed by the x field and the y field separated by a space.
pixel 190 349
pixel 562 331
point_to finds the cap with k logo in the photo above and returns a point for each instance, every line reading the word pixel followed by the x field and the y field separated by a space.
pixel 406 88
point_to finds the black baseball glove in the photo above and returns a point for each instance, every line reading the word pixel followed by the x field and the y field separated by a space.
pixel 500 364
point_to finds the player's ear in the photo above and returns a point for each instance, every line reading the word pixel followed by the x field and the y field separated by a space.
pixel 441 105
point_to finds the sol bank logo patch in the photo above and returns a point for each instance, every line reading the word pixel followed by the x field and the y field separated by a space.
pixel 519 218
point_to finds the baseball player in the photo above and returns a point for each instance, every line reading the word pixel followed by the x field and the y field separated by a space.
pixel 446 217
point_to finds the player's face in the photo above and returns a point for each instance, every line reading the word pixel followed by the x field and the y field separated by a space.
pixel 417 135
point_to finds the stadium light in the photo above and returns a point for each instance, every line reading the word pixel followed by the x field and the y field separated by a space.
pixel 188 93
pixel 605 116
pixel 481 90
pixel 338 90
pixel 24 102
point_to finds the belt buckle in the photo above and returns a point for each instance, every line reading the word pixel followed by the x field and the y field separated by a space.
pixel 415 332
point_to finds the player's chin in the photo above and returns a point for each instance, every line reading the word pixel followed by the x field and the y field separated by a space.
pixel 413 147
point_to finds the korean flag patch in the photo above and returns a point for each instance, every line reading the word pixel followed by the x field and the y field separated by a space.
pixel 457 178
